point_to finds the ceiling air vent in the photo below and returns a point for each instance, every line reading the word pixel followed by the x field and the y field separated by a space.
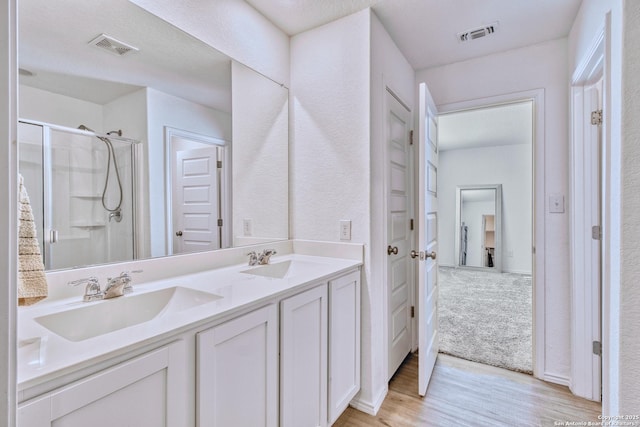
pixel 112 45
pixel 477 33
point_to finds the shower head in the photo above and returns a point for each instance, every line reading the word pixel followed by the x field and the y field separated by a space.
pixel 83 127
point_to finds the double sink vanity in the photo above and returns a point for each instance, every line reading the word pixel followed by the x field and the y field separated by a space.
pixel 202 340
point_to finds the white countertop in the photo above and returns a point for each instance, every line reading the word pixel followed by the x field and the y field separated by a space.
pixel 43 355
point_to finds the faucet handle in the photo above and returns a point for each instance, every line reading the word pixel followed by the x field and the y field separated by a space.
pixel 92 290
pixel 253 258
pixel 125 277
pixel 265 255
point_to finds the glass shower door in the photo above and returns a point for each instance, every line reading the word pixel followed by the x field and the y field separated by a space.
pixel 81 189
pixel 88 199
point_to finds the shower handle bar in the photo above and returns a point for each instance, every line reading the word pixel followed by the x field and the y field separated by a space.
pixel 53 236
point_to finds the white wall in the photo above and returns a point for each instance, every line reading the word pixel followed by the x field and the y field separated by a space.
pixel 330 152
pixel 588 23
pixel 338 77
pixel 167 110
pixel 509 165
pixel 539 66
pixel 44 106
pixel 260 160
pixel 630 291
pixel 330 124
pixel 234 28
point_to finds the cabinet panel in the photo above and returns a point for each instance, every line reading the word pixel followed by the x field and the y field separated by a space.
pixel 344 342
pixel 237 375
pixel 303 363
pixel 145 391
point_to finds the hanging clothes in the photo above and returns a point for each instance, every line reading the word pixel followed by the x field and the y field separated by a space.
pixel 464 230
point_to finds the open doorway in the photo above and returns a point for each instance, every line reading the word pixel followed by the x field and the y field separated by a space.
pixel 485 189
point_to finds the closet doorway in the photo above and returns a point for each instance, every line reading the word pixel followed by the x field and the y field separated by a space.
pixel 486 196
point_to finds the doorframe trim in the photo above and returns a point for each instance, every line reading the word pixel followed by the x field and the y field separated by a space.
pixel 585 381
pixel 538 226
pixel 9 215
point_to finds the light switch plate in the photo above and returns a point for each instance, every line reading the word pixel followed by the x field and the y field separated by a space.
pixel 556 203
pixel 247 227
pixel 345 229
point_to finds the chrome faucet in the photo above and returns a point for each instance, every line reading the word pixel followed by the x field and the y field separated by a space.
pixel 265 256
pixel 120 285
pixel 92 291
pixel 116 286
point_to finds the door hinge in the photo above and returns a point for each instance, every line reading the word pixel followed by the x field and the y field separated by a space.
pixel 411 224
pixel 597 348
pixel 596 117
pixel 413 312
pixel 219 164
pixel 220 223
pixel 596 232
pixel 410 137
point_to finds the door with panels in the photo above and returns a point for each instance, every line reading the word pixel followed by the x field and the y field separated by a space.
pixel 425 255
pixel 398 127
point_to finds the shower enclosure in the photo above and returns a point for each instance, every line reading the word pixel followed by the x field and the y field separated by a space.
pixel 82 191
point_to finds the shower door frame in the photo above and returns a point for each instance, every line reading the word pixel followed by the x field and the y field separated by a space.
pixel 48 191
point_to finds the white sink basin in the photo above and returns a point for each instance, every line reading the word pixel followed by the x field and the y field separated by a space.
pixel 283 269
pixel 117 313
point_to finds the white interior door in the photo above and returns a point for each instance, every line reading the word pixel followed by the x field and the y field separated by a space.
pixel 427 239
pixel 196 200
pixel 398 232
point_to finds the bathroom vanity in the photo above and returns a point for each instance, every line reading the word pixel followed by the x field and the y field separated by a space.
pixel 268 345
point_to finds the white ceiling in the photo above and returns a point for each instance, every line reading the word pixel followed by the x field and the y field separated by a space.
pixel 53 44
pixel 54 38
pixel 425 30
pixel 507 124
pixel 474 195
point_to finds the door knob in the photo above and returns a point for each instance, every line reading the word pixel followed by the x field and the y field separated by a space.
pixel 179 233
pixel 414 254
pixel 392 250
pixel 431 254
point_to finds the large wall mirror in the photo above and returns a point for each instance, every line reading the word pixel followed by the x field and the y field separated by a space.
pixel 479 226
pixel 136 140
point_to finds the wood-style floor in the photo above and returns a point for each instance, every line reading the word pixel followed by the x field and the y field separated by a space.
pixel 464 393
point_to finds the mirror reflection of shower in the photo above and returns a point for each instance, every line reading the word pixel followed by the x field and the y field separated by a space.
pixel 82 191
pixel 114 213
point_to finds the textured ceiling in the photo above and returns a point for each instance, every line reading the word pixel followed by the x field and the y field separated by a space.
pixel 54 39
pixel 425 30
pixel 296 16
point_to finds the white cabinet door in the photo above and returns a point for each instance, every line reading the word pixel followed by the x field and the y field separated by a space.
pixel 344 342
pixel 147 391
pixel 303 359
pixel 237 371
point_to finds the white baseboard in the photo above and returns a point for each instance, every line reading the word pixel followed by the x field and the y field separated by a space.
pixel 370 408
pixel 557 379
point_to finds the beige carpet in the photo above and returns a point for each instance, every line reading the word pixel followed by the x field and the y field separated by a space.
pixel 486 317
